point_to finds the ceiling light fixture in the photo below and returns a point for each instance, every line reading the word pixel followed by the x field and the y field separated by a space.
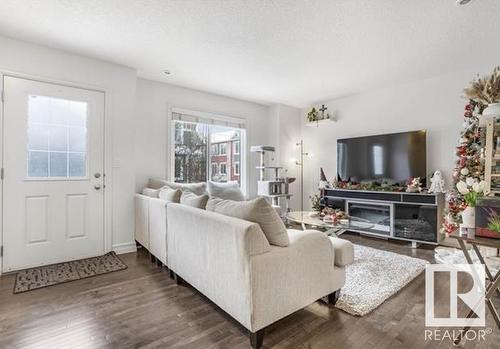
pixel 462 2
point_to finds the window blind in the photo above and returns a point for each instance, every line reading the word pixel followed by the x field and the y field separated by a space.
pixel 215 120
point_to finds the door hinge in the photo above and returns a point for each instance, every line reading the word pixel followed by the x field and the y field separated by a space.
pixel 1 251
pixel 3 96
pixel 2 174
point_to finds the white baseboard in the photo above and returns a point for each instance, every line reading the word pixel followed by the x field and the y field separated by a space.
pixel 126 247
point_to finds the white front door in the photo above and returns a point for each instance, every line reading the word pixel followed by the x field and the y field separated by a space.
pixel 53 160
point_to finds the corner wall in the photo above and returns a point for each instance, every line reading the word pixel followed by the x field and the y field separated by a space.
pixel 46 63
pixel 152 103
pixel 434 104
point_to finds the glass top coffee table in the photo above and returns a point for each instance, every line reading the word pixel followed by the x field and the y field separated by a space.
pixel 312 219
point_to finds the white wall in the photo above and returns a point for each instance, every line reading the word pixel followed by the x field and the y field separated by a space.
pixel 20 57
pixel 285 133
pixel 152 103
pixel 434 104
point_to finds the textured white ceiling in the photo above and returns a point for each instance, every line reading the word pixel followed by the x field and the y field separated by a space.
pixel 268 51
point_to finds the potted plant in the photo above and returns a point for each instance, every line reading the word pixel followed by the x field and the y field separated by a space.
pixel 472 190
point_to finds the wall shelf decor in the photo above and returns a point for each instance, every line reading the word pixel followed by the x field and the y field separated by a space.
pixel 315 117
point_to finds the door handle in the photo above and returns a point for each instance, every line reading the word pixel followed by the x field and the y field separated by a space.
pixel 97 175
pixel 97 186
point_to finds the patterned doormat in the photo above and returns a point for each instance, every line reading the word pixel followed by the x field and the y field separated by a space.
pixel 49 275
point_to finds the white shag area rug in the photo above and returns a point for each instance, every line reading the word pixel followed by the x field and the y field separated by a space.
pixel 375 276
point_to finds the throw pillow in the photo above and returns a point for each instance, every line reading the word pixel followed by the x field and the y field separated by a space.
pixel 227 191
pixel 170 195
pixel 191 199
pixel 156 183
pixel 150 192
pixel 196 188
pixel 257 211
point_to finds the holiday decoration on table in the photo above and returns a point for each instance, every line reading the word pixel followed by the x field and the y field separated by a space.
pixel 333 215
pixel 414 185
pixel 471 190
pixel 323 182
pixel 469 164
pixel 437 183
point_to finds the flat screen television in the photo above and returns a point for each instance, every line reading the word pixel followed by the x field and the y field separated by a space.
pixel 384 159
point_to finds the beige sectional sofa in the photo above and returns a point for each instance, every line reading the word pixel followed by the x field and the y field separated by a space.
pixel 232 262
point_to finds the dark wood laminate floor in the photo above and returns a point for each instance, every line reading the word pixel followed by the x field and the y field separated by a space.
pixel 142 308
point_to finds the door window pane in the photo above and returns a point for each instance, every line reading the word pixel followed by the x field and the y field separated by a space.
pixel 77 163
pixel 58 164
pixel 38 164
pixel 57 138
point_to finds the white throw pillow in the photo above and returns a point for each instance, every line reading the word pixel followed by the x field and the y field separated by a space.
pixel 170 195
pixel 227 191
pixel 191 199
pixel 150 192
pixel 257 211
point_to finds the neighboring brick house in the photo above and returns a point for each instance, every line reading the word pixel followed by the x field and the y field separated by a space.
pixel 225 156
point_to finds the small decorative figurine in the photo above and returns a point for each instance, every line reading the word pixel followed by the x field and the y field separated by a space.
pixel 437 183
pixel 413 185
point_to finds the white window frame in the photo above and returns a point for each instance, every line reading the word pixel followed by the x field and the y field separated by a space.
pixel 234 147
pixel 244 159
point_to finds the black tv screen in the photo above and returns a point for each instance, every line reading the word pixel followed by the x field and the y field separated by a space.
pixel 391 158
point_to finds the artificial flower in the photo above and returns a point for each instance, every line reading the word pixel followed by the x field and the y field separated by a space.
pixel 462 188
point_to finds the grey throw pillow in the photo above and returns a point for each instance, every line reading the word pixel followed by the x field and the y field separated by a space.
pixel 227 191
pixel 257 211
pixel 191 199
pixel 170 195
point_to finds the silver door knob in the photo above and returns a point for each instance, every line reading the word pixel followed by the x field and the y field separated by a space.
pixel 97 175
pixel 97 186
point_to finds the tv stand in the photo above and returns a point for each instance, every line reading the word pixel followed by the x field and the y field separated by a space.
pixel 413 217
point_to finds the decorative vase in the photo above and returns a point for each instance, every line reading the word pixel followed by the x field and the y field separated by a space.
pixel 469 217
pixel 492 110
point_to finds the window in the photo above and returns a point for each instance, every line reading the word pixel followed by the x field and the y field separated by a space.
pixel 236 147
pixel 223 168
pixel 378 160
pixel 57 138
pixel 222 149
pixel 203 149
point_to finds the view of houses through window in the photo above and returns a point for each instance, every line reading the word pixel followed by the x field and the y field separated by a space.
pixel 204 151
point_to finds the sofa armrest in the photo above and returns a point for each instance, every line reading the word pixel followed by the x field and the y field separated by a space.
pixel 344 251
pixel 289 278
pixel 158 229
pixel 142 219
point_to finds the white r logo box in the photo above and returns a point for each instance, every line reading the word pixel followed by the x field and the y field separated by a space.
pixel 474 298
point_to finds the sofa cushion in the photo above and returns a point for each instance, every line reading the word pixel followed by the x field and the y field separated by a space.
pixel 170 195
pixel 156 183
pixel 343 250
pixel 257 211
pixel 190 199
pixel 197 188
pixel 153 193
pixel 228 191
